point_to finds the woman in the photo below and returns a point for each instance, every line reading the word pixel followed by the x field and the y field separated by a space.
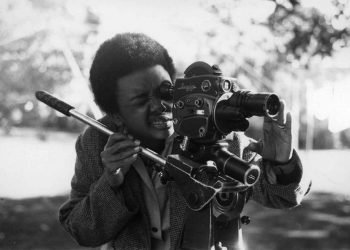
pixel 116 200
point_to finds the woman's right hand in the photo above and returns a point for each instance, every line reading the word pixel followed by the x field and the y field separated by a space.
pixel 119 153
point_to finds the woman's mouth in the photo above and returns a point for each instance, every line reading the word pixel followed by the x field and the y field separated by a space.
pixel 161 122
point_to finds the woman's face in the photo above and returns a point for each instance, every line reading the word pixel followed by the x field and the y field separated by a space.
pixel 140 106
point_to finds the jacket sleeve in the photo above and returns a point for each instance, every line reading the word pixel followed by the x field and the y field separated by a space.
pixel 95 211
pixel 277 189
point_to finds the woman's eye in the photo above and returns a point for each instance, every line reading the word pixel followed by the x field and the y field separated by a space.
pixel 143 99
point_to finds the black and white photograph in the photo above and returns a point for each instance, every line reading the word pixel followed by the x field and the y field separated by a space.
pixel 174 125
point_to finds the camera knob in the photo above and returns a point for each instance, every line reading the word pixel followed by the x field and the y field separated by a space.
pixel 164 177
pixel 245 220
pixel 216 70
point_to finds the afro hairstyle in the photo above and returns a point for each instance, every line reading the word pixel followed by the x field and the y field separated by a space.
pixel 119 56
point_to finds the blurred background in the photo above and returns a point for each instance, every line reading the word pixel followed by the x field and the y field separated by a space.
pixel 298 49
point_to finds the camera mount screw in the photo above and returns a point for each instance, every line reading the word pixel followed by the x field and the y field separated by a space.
pixel 245 220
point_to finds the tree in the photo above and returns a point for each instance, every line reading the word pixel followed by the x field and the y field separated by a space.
pixel 307 33
pixel 45 56
pixel 290 34
pixel 274 52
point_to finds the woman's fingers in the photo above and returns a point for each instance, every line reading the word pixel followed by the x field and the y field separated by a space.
pixel 120 152
pixel 289 121
pixel 120 155
pixel 281 117
pixel 115 138
pixel 256 147
pixel 124 163
pixel 121 146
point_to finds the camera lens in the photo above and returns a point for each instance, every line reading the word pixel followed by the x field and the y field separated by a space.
pixel 272 105
pixel 236 168
pixel 226 85
pixel 259 104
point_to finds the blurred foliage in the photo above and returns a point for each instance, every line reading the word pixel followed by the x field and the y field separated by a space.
pixel 297 35
pixel 42 54
pixel 34 57
pixel 307 32
pixel 298 38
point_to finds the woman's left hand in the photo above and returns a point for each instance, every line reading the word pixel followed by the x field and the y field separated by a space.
pixel 276 144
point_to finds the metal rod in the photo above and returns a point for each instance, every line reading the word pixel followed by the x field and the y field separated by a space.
pixel 92 122
pixel 101 127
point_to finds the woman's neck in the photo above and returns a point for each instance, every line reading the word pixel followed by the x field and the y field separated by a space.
pixel 156 145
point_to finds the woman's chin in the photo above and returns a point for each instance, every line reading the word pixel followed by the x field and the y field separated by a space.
pixel 162 133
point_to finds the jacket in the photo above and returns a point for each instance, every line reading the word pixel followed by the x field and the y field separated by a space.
pixel 96 213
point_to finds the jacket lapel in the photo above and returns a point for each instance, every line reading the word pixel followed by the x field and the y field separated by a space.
pixel 177 214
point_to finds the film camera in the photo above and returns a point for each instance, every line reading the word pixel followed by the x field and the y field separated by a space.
pixel 206 107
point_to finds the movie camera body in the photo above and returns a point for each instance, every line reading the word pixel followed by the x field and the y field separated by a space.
pixel 206 107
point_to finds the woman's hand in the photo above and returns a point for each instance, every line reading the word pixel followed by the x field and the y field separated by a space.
pixel 276 144
pixel 119 153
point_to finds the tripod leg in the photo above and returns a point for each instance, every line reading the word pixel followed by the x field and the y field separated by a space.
pixel 227 225
pixel 198 229
pixel 228 234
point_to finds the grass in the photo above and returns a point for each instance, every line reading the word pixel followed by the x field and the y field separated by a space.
pixel 322 222
pixel 32 224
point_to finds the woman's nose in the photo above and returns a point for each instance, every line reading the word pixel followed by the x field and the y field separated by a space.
pixel 166 105
pixel 156 105
pixel 159 105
